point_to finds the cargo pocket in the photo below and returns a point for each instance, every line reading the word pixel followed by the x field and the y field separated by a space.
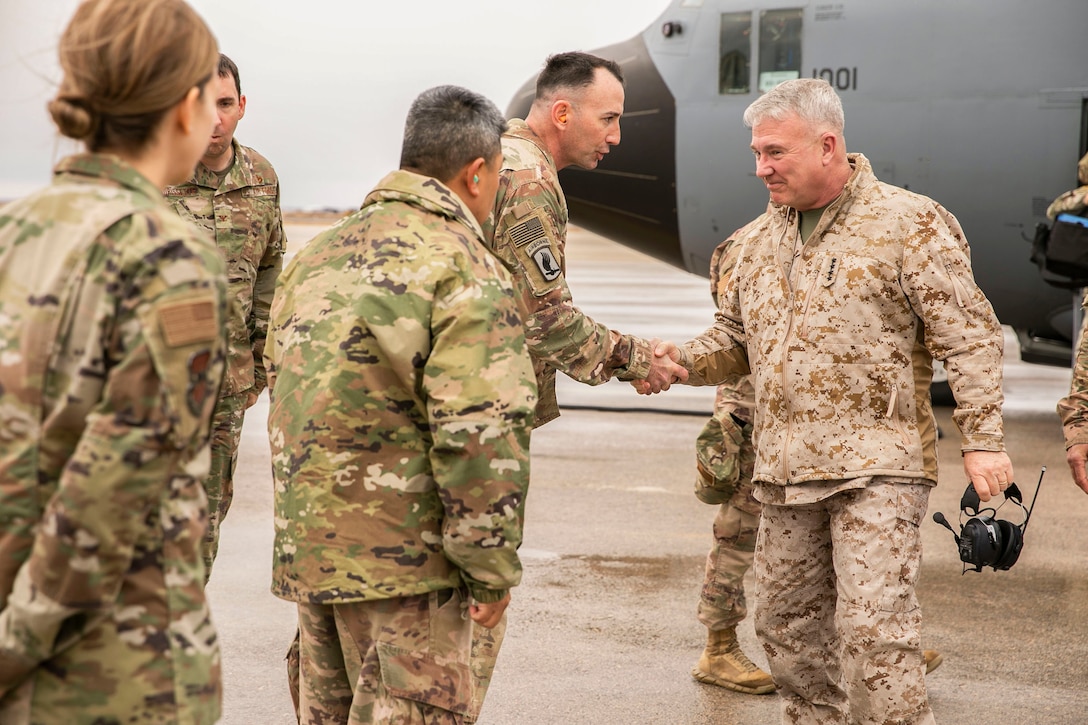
pixel 425 677
pixel 899 593
pixel 441 675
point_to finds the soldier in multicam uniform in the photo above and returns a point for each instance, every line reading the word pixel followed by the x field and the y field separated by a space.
pixel 113 348
pixel 841 293
pixel 402 400
pixel 574 121
pixel 1074 201
pixel 725 460
pixel 234 195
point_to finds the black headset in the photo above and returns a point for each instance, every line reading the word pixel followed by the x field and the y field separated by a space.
pixel 986 540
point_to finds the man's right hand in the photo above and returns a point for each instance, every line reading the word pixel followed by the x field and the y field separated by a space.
pixel 490 614
pixel 664 369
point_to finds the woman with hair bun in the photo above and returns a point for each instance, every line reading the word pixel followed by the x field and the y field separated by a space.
pixel 111 355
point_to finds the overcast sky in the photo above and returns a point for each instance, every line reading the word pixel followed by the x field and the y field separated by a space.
pixel 328 82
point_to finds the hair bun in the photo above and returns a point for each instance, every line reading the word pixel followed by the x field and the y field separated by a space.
pixel 74 117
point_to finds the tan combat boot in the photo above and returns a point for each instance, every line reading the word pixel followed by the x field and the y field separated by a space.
pixel 725 665
pixel 933 659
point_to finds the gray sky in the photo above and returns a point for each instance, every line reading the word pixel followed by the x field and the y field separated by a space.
pixel 328 82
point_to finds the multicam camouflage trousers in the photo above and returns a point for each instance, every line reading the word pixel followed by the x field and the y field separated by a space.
pixel 403 660
pixel 721 603
pixel 837 612
pixel 219 485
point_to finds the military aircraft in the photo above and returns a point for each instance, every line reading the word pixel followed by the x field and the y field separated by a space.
pixel 979 104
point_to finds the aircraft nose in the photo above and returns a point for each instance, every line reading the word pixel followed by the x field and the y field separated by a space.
pixel 631 195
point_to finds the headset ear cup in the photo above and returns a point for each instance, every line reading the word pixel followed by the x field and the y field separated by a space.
pixel 1009 545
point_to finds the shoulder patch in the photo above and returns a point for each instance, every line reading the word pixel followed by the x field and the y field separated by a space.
pixel 541 253
pixel 527 231
pixel 185 323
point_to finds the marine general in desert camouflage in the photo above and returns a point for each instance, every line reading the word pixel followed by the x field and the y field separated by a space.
pixel 402 400
pixel 113 348
pixel 842 293
pixel 234 195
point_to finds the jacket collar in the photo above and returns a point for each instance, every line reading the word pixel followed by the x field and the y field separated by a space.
pixel 106 166
pixel 425 192
pixel 240 175
pixel 518 128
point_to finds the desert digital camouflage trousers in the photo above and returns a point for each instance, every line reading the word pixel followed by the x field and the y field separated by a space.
pixel 853 656
pixel 722 603
pixel 403 660
pixel 227 422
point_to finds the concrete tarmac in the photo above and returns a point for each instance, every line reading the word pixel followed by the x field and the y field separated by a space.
pixel 603 628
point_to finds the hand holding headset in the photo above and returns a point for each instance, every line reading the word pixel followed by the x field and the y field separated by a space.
pixel 986 540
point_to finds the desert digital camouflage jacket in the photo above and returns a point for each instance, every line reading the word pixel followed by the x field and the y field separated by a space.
pixel 528 229
pixel 112 350
pixel 841 338
pixel 242 214
pixel 402 399
pixel 1073 408
pixel 1076 200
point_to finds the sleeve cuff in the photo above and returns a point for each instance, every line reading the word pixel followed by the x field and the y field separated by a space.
pixel 488 596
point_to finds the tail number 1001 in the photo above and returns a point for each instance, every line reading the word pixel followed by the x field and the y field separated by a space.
pixel 843 79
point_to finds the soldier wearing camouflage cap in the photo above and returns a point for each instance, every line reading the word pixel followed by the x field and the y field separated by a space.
pixel 574 121
pixel 842 294
pixel 234 195
pixel 113 350
pixel 402 397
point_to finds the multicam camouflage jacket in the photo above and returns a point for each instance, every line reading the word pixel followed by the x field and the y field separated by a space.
pixel 402 399
pixel 113 351
pixel 528 229
pixel 242 214
pixel 841 332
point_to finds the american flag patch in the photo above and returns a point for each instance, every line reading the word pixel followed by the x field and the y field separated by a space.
pixel 527 231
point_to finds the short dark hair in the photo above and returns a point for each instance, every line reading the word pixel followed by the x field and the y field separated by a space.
pixel 573 70
pixel 226 65
pixel 447 128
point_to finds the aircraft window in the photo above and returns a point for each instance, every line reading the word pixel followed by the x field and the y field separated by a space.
pixel 735 48
pixel 779 47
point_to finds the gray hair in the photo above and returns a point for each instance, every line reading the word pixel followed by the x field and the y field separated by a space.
pixel 813 100
pixel 447 128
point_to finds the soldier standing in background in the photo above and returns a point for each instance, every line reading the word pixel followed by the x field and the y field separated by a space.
pixel 1074 201
pixel 402 397
pixel 1073 408
pixel 113 349
pixel 234 195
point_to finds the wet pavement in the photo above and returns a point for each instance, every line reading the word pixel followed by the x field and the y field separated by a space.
pixel 603 628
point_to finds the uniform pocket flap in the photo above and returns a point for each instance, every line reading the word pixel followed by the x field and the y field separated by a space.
pixel 425 677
